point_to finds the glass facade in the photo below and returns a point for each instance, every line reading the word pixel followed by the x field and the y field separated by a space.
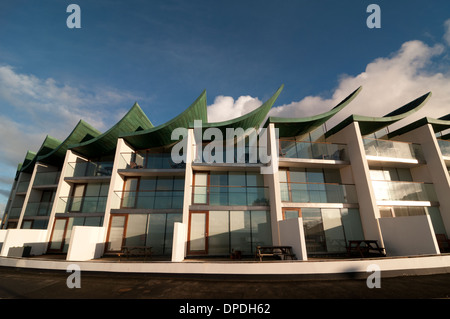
pixel 155 192
pixel 315 185
pixel 327 230
pixel 230 188
pixel 153 230
pixel 218 233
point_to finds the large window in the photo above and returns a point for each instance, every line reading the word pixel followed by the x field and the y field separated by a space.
pixel 154 230
pixel 156 192
pixel 328 230
pixel 315 185
pixel 227 231
pixel 230 188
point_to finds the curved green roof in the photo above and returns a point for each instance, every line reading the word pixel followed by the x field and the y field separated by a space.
pixel 105 144
pixel 161 135
pixel 439 124
pixel 49 144
pixel 249 120
pixel 288 127
pixel 370 125
pixel 28 158
pixel 81 133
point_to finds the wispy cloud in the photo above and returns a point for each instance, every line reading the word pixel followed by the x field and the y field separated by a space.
pixel 34 107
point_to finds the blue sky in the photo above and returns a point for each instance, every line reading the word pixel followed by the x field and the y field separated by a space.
pixel 163 54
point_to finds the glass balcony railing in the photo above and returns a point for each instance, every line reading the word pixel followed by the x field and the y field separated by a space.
pixel 89 169
pixel 404 191
pixel 38 209
pixel 444 145
pixel 46 178
pixel 231 195
pixel 393 149
pixel 15 212
pixel 137 160
pixel 318 193
pixel 23 186
pixel 312 150
pixel 157 199
pixel 81 204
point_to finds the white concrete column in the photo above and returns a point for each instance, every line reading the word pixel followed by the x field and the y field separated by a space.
pixel 437 169
pixel 368 209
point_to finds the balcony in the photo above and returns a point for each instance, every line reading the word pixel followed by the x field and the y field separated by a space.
pixel 404 191
pixel 318 193
pixel 81 204
pixel 46 179
pixel 312 150
pixel 147 160
pixel 38 209
pixel 231 195
pixel 393 149
pixel 155 199
pixel 89 169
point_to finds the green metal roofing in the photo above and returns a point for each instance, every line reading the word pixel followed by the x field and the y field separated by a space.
pixel 252 119
pixel 28 158
pixel 370 125
pixel 161 135
pixel 81 133
pixel 288 127
pixel 439 124
pixel 105 144
pixel 49 144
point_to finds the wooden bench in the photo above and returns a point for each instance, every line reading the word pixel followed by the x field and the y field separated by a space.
pixel 129 251
pixel 282 252
pixel 364 248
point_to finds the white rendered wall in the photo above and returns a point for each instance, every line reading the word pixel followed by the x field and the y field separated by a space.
pixel 292 234
pixel 86 243
pixel 36 238
pixel 179 242
pixel 407 236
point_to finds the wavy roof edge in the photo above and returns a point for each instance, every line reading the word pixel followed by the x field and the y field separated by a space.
pixel 297 126
pixel 104 144
pixel 248 120
pixel 439 124
pixel 370 124
pixel 161 134
pixel 49 144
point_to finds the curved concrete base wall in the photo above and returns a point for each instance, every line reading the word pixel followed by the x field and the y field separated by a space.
pixel 394 266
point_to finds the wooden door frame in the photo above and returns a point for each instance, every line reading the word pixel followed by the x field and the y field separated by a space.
pixel 125 225
pixel 298 209
pixel 188 251
pixel 60 250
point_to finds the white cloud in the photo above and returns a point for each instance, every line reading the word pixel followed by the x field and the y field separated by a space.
pixel 388 83
pixel 226 108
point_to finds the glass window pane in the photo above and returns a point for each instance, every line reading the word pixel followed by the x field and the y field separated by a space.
pixel 261 230
pixel 334 232
pixel 147 184
pixel 240 231
pixel 288 214
pixel 156 233
pixel 351 220
pixel 236 179
pixel 297 176
pixel 136 230
pixel 315 175
pixel 218 235
pixel 313 227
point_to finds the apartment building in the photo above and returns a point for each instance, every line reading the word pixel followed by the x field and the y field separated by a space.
pixel 190 188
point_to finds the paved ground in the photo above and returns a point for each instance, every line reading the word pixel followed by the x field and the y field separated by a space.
pixel 42 284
